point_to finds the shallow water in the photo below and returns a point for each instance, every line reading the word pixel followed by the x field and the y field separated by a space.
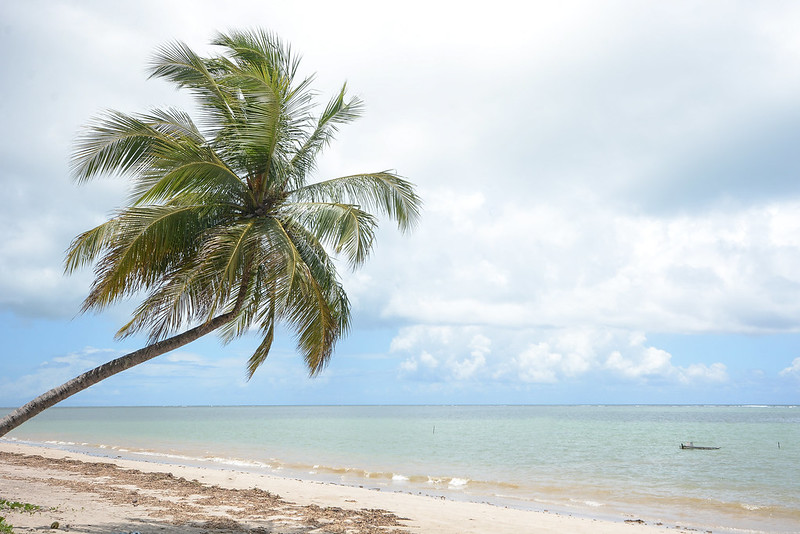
pixel 609 461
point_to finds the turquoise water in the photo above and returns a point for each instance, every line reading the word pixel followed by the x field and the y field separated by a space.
pixel 604 461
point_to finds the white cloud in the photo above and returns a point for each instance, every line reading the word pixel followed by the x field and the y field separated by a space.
pixel 648 362
pixel 793 369
pixel 422 366
pixel 468 367
pixel 458 354
pixel 411 337
pixel 409 366
pixel 716 372
pixel 538 364
pixel 527 266
pixel 439 354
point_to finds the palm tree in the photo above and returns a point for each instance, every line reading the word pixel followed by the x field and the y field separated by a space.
pixel 224 228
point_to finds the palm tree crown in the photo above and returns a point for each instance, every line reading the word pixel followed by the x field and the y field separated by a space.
pixel 223 219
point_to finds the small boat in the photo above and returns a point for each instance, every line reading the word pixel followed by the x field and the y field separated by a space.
pixel 691 445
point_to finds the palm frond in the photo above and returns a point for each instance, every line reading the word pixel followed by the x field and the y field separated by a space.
pixel 323 270
pixel 195 290
pixel 182 298
pixel 310 316
pixel 208 180
pixel 384 192
pixel 163 149
pixel 262 351
pixel 253 298
pixel 114 144
pixel 224 256
pixel 344 227
pixel 179 64
pixel 249 144
pixel 261 49
pixel 87 246
pixel 337 112
pixel 146 242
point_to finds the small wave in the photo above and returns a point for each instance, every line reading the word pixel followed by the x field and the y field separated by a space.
pixel 399 478
pixel 239 463
pixel 247 464
pixel 591 504
pixel 162 455
pixel 457 482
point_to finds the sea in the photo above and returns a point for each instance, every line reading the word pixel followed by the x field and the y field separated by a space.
pixel 611 462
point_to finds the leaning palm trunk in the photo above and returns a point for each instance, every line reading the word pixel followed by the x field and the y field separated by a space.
pixel 92 377
pixel 109 369
pixel 226 217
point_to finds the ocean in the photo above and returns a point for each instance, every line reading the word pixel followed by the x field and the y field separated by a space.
pixel 619 462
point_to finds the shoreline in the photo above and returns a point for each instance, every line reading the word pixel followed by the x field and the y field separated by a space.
pixel 567 460
pixel 318 474
pixel 96 493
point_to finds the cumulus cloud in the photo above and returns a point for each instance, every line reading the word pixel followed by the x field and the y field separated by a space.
pixel 716 372
pixel 793 369
pixel 456 354
pixel 648 362
pixel 533 265
pixel 466 368
pixel 572 353
pixel 538 364
pixel 423 361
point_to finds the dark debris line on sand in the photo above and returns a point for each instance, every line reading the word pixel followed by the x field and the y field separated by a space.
pixel 191 503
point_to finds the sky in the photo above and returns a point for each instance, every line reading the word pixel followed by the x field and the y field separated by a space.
pixel 611 200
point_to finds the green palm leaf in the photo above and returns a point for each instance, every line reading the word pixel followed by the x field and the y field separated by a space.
pixel 145 242
pixel 345 227
pixel 384 192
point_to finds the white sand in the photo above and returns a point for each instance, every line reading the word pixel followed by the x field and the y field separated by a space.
pixel 107 495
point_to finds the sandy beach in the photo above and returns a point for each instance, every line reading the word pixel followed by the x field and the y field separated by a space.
pixel 110 495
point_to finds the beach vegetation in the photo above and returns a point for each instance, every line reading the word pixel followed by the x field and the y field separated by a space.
pixel 7 528
pixel 226 228
pixel 18 506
